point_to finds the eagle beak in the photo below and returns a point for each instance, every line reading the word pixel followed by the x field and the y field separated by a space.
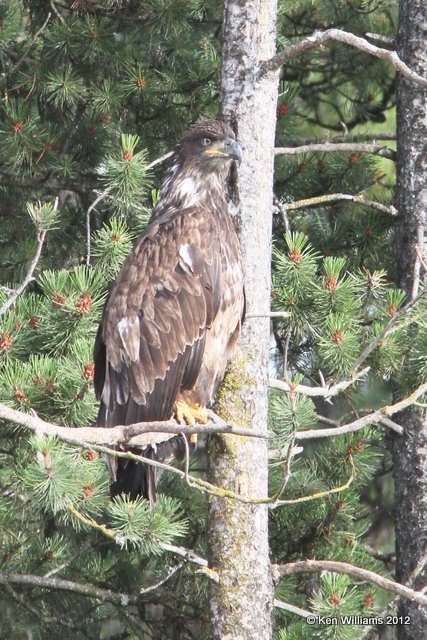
pixel 228 148
pixel 233 150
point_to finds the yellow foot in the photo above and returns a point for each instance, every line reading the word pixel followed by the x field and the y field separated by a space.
pixel 190 414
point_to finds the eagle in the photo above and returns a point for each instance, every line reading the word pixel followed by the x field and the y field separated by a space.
pixel 175 311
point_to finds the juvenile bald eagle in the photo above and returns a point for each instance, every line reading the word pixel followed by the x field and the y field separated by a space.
pixel 175 310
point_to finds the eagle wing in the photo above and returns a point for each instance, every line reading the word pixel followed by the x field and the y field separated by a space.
pixel 151 341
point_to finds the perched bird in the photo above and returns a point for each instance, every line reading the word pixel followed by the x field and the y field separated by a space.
pixel 176 308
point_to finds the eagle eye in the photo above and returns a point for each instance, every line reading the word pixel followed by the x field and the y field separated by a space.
pixel 206 141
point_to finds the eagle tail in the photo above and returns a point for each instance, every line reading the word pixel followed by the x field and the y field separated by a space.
pixel 135 479
pixel 139 479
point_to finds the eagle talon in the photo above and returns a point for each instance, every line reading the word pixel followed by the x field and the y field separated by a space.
pixel 190 414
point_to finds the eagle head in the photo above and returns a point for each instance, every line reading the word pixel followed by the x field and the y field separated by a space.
pixel 211 143
pixel 201 162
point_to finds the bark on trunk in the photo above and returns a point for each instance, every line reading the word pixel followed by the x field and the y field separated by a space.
pixel 242 601
pixel 410 451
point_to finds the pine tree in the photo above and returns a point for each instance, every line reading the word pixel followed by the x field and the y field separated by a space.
pixel 92 94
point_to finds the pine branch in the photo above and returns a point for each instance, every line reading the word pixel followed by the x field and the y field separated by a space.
pixel 317 566
pixel 83 184
pixel 378 416
pixel 336 197
pixel 326 391
pixel 376 149
pixel 40 426
pixel 104 195
pixel 27 50
pixel 321 37
pixel 390 325
pixel 187 554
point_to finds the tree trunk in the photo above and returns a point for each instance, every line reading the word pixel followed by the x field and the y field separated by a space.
pixel 242 601
pixel 410 451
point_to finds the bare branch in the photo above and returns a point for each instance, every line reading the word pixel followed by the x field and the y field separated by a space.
pixel 376 149
pixel 371 136
pixel 280 207
pixel 272 314
pixel 320 392
pixel 279 604
pixel 58 584
pixel 378 416
pixel 387 558
pixel 28 278
pixel 326 420
pixel 160 160
pixel 313 496
pixel 36 614
pixel 336 197
pixel 169 574
pixel 99 199
pixel 55 10
pixel 317 566
pixel 188 554
pixel 392 425
pixel 421 258
pixel 321 37
pixel 83 184
pixel 380 37
pixel 140 434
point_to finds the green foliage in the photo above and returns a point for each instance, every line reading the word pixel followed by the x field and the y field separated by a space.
pixel 126 175
pixel 334 313
pixel 63 88
pixel 10 20
pixel 56 477
pixel 91 94
pixel 146 528
pixel 110 246
pixel 43 215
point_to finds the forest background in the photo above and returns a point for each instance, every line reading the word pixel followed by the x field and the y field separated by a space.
pixel 94 96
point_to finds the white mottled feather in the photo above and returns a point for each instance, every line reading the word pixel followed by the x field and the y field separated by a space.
pixel 130 336
pixel 185 255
